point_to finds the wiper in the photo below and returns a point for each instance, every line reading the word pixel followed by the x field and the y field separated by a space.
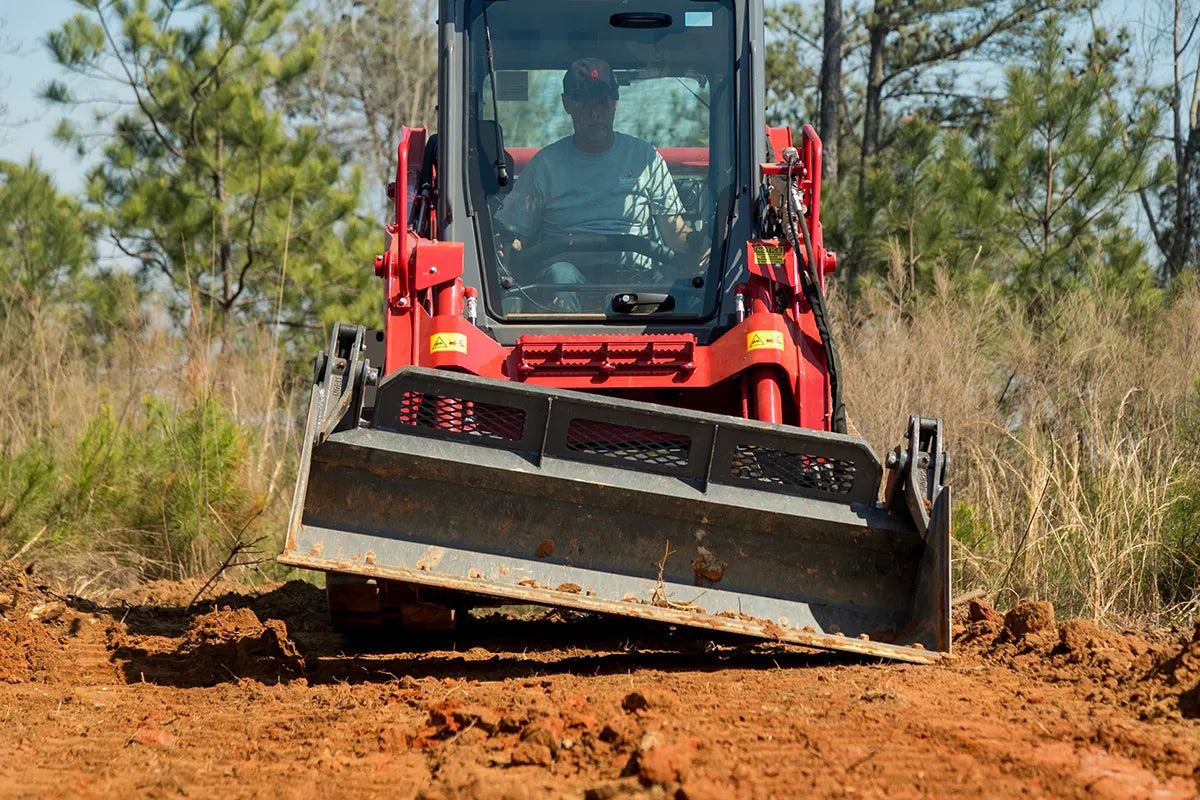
pixel 694 94
pixel 501 164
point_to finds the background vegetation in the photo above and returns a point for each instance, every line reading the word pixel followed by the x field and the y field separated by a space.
pixel 1011 189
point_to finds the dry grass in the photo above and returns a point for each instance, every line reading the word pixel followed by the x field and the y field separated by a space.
pixel 1063 427
pixel 147 453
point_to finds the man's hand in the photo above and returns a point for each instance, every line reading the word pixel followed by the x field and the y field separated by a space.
pixel 679 236
pixel 505 246
pixel 674 231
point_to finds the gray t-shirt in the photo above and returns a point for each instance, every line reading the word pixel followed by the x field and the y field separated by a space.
pixel 565 190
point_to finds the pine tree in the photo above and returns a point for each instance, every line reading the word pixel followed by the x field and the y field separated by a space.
pixel 45 240
pixel 930 210
pixel 832 37
pixel 1067 160
pixel 1171 197
pixel 792 64
pixel 202 182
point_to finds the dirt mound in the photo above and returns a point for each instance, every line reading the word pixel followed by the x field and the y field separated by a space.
pixel 1081 641
pixel 234 643
pixel 177 593
pixel 46 637
pixel 1029 619
pixel 148 633
pixel 301 605
pixel 1029 629
pixel 1181 671
pixel 979 611
pixel 27 651
pixel 21 594
pixel 978 626
pixel 1162 680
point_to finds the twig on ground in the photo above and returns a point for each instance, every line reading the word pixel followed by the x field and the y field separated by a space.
pixel 856 764
pixel 28 543
pixel 967 597
pixel 238 547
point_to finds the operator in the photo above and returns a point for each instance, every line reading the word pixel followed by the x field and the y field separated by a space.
pixel 595 181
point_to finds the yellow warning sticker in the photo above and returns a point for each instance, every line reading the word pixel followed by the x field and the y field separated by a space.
pixel 767 254
pixel 448 343
pixel 764 340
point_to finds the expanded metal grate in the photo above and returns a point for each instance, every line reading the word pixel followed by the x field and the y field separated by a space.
pixel 800 470
pixel 624 443
pixel 455 415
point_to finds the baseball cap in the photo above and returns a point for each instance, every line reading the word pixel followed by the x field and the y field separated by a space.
pixel 588 78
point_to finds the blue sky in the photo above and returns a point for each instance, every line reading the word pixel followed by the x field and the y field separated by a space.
pixel 25 67
pixel 28 127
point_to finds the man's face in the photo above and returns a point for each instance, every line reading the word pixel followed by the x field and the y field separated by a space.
pixel 593 120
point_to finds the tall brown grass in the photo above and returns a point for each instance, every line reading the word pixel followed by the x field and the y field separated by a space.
pixel 141 450
pixel 1074 480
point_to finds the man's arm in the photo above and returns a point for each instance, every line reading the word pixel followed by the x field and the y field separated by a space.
pixel 667 210
pixel 675 233
pixel 520 215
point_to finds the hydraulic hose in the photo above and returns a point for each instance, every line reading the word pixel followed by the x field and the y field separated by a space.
pixel 811 286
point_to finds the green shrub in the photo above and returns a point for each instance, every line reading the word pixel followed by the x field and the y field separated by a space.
pixel 1180 574
pixel 170 484
pixel 163 490
pixel 28 484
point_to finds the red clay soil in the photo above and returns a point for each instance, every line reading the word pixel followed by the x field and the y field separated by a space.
pixel 253 695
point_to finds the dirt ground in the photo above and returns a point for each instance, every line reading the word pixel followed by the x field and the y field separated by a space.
pixel 252 694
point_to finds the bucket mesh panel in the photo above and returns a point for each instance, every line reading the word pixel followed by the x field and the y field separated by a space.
pixel 454 415
pixel 802 470
pixel 623 443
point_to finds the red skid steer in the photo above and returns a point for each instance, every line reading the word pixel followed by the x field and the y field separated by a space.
pixel 605 379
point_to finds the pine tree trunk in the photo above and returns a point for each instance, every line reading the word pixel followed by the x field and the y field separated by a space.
pixel 831 89
pixel 1185 146
pixel 874 100
pixel 224 245
pixel 1181 233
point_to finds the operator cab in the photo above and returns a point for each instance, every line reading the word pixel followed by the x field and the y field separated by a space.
pixel 674 66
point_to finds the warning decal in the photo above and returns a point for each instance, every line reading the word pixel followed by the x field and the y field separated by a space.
pixel 448 343
pixel 764 340
pixel 767 254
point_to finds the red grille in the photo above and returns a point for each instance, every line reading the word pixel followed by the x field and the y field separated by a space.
pixel 456 415
pixel 649 354
pixel 802 470
pixel 623 443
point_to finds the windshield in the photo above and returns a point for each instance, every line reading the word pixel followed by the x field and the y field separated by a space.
pixel 600 139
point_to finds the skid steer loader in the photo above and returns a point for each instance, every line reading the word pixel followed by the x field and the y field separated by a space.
pixel 605 379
